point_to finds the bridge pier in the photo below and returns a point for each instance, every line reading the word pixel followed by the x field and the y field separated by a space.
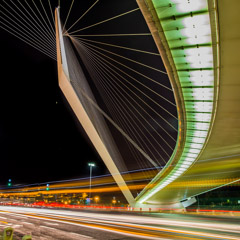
pixel 174 207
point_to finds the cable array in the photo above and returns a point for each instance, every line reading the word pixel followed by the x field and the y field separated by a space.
pixel 29 22
pixel 134 94
pixel 124 70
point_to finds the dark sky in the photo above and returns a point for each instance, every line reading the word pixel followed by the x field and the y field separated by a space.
pixel 40 140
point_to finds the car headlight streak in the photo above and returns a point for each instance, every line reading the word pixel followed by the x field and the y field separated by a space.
pixel 186 25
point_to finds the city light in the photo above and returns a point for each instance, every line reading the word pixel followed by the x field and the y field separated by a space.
pixel 96 199
pixel 91 165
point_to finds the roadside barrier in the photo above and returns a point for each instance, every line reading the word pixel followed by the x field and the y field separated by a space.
pixel 8 233
pixel 27 237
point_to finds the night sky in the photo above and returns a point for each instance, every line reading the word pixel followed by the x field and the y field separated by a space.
pixel 40 137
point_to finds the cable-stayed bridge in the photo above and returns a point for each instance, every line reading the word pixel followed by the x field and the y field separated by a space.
pixel 154 84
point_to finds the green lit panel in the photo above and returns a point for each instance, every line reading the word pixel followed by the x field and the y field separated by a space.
pixel 202 52
pixel 166 11
pixel 196 73
pixel 193 64
pixel 204 107
pixel 196 139
pixel 200 117
pixel 198 133
pixel 173 35
pixel 188 154
pixel 181 6
pixel 191 150
pixel 162 4
pixel 197 81
pixel 205 94
pixel 186 26
pixel 180 60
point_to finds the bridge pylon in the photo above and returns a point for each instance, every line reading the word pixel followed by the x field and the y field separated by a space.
pixel 100 136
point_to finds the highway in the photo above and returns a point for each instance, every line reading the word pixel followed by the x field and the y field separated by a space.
pixel 47 224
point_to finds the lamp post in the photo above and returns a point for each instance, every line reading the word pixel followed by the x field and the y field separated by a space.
pixel 90 181
pixel 114 201
pixel 96 199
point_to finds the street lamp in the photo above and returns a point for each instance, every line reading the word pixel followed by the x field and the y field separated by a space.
pixel 96 199
pixel 114 202
pixel 90 182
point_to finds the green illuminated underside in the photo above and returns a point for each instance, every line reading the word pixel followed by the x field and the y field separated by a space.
pixel 186 26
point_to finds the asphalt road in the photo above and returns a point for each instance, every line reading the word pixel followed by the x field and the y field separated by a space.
pixel 48 224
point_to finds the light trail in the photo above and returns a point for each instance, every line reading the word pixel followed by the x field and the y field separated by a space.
pixel 147 227
pixel 101 179
pixel 105 183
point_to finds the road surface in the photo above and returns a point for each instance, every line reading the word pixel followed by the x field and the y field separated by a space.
pixel 47 224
